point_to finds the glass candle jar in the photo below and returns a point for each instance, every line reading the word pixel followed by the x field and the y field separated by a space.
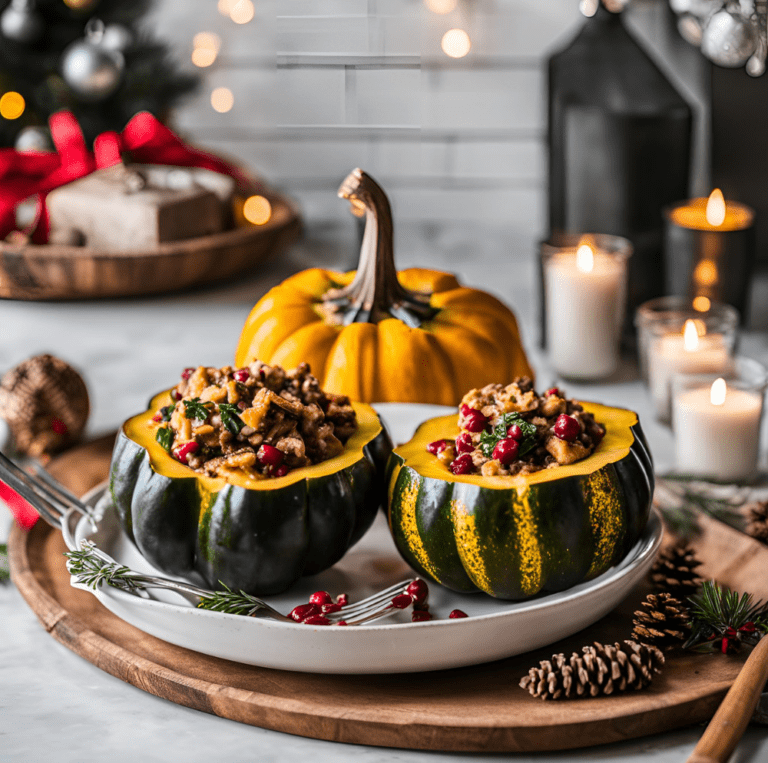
pixel 717 419
pixel 680 335
pixel 585 290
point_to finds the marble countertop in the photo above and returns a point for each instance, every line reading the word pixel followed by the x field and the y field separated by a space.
pixel 58 707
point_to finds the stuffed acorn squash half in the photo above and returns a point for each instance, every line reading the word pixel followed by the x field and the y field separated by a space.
pixel 236 475
pixel 527 495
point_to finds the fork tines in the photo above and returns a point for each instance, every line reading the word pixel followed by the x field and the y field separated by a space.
pixel 373 607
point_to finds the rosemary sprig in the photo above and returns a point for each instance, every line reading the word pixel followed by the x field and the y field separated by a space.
pixel 723 620
pixel 229 417
pixel 231 602
pixel 5 573
pixel 488 440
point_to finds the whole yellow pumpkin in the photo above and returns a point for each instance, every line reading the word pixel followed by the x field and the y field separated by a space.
pixel 377 335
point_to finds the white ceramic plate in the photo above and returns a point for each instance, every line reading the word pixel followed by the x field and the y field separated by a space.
pixel 494 629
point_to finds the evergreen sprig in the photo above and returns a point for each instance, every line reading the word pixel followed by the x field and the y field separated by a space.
pixel 5 573
pixel 231 602
pixel 723 620
pixel 489 440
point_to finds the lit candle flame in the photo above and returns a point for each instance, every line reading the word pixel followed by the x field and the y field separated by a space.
pixel 690 336
pixel 717 393
pixel 716 208
pixel 585 258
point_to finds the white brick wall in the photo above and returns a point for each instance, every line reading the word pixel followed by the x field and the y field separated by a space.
pixel 322 86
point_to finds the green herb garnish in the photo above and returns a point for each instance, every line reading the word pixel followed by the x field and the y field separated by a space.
pixel 489 440
pixel 229 417
pixel 166 411
pixel 165 437
pixel 196 410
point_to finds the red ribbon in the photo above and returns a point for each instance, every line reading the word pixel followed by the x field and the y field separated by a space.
pixel 147 140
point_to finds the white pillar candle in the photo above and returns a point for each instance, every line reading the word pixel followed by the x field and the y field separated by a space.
pixel 585 294
pixel 717 431
pixel 683 353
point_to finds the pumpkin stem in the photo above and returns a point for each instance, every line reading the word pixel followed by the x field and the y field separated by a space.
pixel 376 293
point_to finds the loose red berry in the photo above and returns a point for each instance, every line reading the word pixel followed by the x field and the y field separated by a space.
pixel 316 620
pixel 420 616
pixel 183 451
pixel 281 470
pixel 438 446
pixel 332 607
pixel 401 601
pixel 464 443
pixel 241 375
pixel 156 417
pixel 553 391
pixel 342 599
pixel 175 395
pixel 320 598
pixel 418 590
pixel 463 464
pixel 475 421
pixel 567 428
pixel 268 455
pixel 187 372
pixel 58 426
pixel 242 405
pixel 465 409
pixel 303 611
pixel 341 622
pixel 505 451
pixel 515 432
pixel 457 613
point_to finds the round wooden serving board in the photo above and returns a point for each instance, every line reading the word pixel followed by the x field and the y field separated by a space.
pixel 478 708
pixel 76 272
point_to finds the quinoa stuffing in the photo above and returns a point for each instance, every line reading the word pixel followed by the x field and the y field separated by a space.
pixel 510 430
pixel 261 420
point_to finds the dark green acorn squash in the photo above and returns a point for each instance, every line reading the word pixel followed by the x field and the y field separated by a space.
pixel 260 536
pixel 516 537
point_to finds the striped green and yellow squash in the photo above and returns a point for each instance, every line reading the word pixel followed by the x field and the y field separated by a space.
pixel 516 537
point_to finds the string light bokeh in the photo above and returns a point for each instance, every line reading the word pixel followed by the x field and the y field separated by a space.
pixel 456 43
pixel 441 6
pixel 222 100
pixel 12 105
pixel 257 210
pixel 206 46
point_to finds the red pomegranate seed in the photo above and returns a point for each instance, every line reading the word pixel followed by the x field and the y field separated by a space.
pixel 462 464
pixel 506 451
pixel 457 613
pixel 342 599
pixel 241 375
pixel 268 455
pixel 401 601
pixel 553 391
pixel 465 409
pixel 418 590
pixel 464 443
pixel 175 395
pixel 566 427
pixel 515 432
pixel 242 405
pixel 157 417
pixel 332 607
pixel 187 372
pixel 281 470
pixel 184 450
pixel 320 598
pixel 316 620
pixel 438 446
pixel 475 422
pixel 341 622
pixel 420 616
pixel 303 611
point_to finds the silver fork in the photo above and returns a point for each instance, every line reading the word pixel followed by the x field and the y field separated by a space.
pixel 90 567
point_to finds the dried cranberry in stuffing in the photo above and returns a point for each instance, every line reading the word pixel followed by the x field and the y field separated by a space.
pixel 464 443
pixel 268 455
pixel 475 421
pixel 175 395
pixel 418 590
pixel 566 427
pixel 438 446
pixel 281 470
pixel 505 451
pixel 553 391
pixel 462 464
pixel 187 372
pixel 457 613
pixel 515 432
pixel 241 375
pixel 465 409
pixel 303 611
pixel 184 450
pixel 320 597
pixel 157 417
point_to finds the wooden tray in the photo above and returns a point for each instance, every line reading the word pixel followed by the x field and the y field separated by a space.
pixel 71 272
pixel 480 708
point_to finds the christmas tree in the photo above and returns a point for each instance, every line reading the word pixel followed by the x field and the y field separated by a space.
pixel 88 56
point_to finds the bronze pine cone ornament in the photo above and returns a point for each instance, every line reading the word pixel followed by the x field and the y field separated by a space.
pixel 45 402
pixel 599 670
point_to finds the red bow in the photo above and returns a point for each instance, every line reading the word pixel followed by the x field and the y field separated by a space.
pixel 35 174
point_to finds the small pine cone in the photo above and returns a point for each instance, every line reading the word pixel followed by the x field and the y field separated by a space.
pixel 757 521
pixel 600 670
pixel 662 623
pixel 674 572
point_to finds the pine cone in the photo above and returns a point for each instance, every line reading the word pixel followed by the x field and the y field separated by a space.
pixel 757 521
pixel 663 623
pixel 674 572
pixel 45 402
pixel 599 670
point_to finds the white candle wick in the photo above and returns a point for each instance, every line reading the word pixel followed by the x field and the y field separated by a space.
pixel 585 258
pixel 717 393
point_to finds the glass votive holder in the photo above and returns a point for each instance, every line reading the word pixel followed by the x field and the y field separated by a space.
pixel 584 296
pixel 716 420
pixel 680 335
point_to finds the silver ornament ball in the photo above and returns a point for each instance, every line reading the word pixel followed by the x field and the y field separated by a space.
pixel 728 39
pixel 21 22
pixel 91 72
pixel 116 37
pixel 33 139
